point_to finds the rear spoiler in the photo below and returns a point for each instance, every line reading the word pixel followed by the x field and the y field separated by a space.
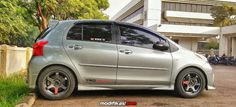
pixel 53 23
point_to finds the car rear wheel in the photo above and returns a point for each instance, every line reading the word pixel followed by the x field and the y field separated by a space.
pixel 190 83
pixel 56 82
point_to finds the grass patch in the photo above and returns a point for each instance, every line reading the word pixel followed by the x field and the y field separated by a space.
pixel 12 90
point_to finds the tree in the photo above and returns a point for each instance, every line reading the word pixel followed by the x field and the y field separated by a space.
pixel 44 10
pixel 12 23
pixel 213 44
pixel 20 19
pixel 224 15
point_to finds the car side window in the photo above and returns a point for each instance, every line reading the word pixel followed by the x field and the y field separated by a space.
pixel 97 32
pixel 91 32
pixel 138 37
pixel 75 33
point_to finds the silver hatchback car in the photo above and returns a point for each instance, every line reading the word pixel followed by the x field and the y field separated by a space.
pixel 108 55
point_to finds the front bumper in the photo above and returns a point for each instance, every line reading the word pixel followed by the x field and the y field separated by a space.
pixel 211 87
pixel 210 76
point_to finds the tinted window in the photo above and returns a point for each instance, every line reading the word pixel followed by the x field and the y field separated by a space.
pixel 91 32
pixel 138 37
pixel 99 33
pixel 75 33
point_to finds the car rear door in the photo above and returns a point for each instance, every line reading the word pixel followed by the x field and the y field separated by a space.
pixel 138 62
pixel 92 49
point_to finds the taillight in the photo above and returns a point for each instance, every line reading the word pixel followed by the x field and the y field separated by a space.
pixel 38 48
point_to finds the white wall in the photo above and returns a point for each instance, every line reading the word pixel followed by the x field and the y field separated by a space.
pixel 190 15
pixel 189 43
pixel 234 46
pixel 189 29
pixel 229 29
pixel 135 18
pixel 13 59
pixel 152 12
pixel 128 9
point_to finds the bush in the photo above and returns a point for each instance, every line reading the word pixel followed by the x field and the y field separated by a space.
pixel 213 44
pixel 12 90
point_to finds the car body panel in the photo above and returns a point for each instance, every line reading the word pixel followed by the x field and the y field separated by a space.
pixel 54 54
pixel 184 58
pixel 95 61
pixel 143 66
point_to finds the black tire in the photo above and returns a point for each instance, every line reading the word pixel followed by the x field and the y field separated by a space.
pixel 183 84
pixel 62 77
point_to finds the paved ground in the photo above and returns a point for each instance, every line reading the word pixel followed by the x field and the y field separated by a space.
pixel 223 96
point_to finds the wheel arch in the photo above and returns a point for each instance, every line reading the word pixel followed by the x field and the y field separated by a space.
pixel 71 70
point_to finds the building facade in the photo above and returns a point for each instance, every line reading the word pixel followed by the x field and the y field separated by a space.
pixel 187 22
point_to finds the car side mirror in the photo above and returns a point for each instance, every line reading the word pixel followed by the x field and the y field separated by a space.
pixel 161 46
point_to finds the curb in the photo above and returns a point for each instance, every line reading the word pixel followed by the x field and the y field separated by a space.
pixel 28 101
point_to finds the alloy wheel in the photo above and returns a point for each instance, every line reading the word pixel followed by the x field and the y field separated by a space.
pixel 56 83
pixel 191 83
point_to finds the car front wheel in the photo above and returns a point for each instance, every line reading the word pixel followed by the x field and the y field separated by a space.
pixel 190 83
pixel 56 82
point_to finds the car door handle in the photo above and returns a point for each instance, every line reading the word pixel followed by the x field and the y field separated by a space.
pixel 75 47
pixel 126 51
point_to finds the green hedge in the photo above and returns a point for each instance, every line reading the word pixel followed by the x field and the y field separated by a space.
pixel 12 90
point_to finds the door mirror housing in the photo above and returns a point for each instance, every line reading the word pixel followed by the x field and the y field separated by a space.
pixel 161 46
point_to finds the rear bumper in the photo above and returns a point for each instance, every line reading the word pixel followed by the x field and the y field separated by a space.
pixel 35 66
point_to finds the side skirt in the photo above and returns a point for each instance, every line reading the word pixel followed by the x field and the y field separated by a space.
pixel 124 87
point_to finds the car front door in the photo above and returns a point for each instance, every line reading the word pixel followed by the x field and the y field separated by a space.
pixel 138 62
pixel 92 50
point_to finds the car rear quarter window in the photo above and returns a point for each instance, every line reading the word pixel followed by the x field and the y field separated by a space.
pixel 91 32
pixel 75 33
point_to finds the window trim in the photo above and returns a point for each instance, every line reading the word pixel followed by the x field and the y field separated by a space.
pixel 113 40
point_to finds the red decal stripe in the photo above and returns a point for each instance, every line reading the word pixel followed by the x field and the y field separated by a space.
pixel 103 81
pixel 132 103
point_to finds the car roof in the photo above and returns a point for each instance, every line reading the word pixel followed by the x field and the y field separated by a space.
pixel 111 21
pixel 100 21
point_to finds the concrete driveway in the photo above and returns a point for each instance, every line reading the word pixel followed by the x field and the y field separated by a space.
pixel 223 96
